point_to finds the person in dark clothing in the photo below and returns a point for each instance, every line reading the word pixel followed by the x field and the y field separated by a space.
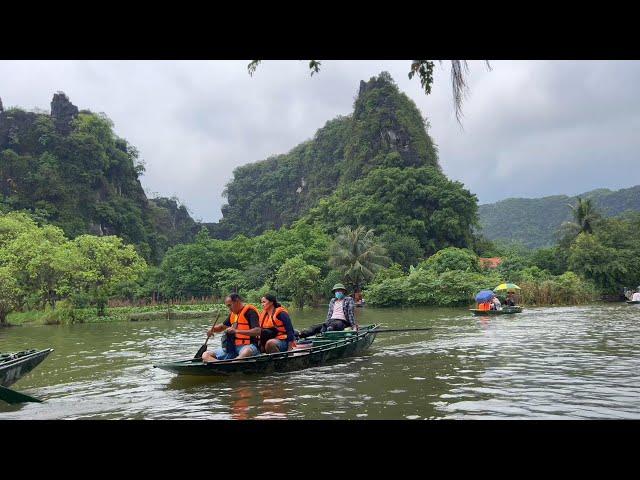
pixel 341 314
pixel 510 301
pixel 243 326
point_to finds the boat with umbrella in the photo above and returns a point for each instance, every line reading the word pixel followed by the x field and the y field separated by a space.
pixel 486 296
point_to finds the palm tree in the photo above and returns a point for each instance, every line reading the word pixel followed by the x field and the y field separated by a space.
pixel 356 254
pixel 584 217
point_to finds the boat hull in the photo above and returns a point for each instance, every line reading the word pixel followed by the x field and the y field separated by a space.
pixel 631 302
pixel 13 369
pixel 504 311
pixel 328 347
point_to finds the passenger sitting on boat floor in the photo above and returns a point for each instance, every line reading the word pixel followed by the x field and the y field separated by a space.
pixel 341 314
pixel 636 296
pixel 242 328
pixel 277 334
pixel 510 300
pixel 495 304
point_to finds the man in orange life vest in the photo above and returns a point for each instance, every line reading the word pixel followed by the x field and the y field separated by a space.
pixel 277 330
pixel 243 323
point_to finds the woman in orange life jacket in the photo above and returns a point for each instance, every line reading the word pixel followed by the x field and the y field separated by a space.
pixel 243 323
pixel 277 330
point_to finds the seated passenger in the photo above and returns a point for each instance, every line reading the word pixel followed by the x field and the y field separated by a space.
pixel 636 296
pixel 341 314
pixel 495 304
pixel 484 306
pixel 277 333
pixel 510 300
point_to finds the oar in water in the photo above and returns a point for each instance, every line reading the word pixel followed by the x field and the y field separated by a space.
pixel 203 348
pixel 401 330
pixel 12 397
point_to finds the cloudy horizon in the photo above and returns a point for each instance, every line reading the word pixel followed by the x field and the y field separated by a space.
pixel 530 128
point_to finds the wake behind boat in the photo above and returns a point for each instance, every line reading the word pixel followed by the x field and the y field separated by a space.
pixel 319 350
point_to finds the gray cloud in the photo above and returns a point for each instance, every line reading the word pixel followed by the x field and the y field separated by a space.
pixel 531 128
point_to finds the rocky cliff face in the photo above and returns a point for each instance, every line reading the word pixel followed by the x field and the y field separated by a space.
pixel 385 129
pixel 63 112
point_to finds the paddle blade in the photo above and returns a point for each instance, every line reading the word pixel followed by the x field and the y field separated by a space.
pixel 203 349
pixel 13 397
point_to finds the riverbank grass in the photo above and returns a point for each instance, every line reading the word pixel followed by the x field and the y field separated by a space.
pixel 65 315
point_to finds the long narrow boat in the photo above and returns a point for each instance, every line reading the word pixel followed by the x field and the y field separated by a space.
pixel 14 366
pixel 504 311
pixel 633 302
pixel 320 350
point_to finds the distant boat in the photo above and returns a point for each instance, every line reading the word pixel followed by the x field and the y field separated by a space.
pixel 504 311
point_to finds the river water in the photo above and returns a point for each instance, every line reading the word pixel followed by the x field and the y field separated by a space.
pixel 545 363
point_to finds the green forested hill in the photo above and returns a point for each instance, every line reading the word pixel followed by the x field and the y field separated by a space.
pixel 534 221
pixel 385 129
pixel 69 169
pixel 377 167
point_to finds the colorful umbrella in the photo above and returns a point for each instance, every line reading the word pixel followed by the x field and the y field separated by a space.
pixel 484 296
pixel 506 286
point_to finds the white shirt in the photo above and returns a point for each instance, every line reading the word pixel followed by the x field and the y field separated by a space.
pixel 338 309
pixel 635 297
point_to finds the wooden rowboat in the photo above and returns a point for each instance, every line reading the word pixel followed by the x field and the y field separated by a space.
pixel 504 311
pixel 14 366
pixel 320 350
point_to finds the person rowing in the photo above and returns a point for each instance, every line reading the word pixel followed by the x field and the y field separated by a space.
pixel 277 333
pixel 242 331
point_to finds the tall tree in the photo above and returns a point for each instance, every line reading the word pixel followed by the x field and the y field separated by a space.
pixel 10 294
pixel 585 214
pixel 357 255
pixel 298 280
pixel 584 218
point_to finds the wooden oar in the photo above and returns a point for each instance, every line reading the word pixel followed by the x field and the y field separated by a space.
pixel 203 348
pixel 12 397
pixel 401 330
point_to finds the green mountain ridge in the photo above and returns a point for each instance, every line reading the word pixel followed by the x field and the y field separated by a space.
pixel 535 221
pixel 377 167
pixel 69 169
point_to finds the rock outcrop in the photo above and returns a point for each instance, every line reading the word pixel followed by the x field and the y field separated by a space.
pixel 63 112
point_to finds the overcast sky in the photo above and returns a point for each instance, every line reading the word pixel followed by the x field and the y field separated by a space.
pixel 530 128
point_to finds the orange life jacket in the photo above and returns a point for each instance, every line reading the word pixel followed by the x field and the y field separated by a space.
pixel 241 323
pixel 484 306
pixel 272 321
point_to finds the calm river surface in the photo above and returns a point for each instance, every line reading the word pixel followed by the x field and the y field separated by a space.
pixel 546 363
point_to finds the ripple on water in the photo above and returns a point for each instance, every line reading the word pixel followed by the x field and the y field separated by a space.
pixel 563 362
